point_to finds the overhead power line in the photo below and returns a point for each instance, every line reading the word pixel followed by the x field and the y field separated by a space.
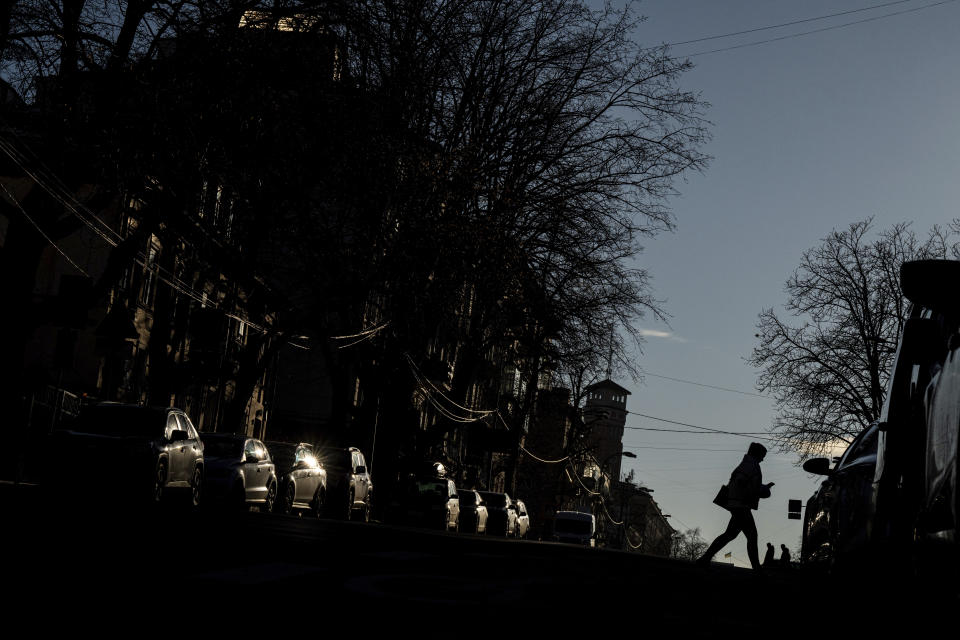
pixel 709 386
pixel 702 433
pixel 543 460
pixel 820 30
pixel 750 434
pixel 58 190
pixel 41 231
pixel 684 449
pixel 789 24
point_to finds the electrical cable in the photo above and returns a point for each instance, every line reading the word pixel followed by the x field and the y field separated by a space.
pixel 421 379
pixel 538 459
pixel 703 433
pixel 62 195
pixel 60 185
pixel 710 429
pixel 709 386
pixel 355 342
pixel 363 336
pixel 788 24
pixel 607 513
pixel 17 158
pixel 422 388
pixel 42 233
pixel 684 449
pixel 590 492
pixel 806 33
pixel 443 410
pixel 362 333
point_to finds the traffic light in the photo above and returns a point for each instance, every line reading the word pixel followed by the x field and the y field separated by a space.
pixel 793 509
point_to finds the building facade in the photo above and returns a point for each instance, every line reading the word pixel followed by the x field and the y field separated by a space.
pixel 605 416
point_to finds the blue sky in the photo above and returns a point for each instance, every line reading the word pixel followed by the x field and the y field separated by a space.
pixel 810 134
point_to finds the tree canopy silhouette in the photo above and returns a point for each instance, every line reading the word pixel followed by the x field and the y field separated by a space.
pixel 827 360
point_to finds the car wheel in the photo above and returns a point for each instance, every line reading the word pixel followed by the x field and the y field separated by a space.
pixel 366 510
pixel 271 498
pixel 349 514
pixel 286 504
pixel 196 486
pixel 319 501
pixel 159 481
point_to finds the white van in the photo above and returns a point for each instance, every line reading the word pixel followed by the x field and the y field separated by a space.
pixel 575 527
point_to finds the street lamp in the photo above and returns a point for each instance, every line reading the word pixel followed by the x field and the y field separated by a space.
pixel 606 461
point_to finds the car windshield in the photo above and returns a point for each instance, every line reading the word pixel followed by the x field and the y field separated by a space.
pixel 222 447
pixel 139 422
pixel 432 488
pixel 495 500
pixel 337 459
pixel 281 453
pixel 578 527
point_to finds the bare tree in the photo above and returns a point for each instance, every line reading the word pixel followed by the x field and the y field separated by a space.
pixel 688 545
pixel 827 361
pixel 538 143
pixel 478 174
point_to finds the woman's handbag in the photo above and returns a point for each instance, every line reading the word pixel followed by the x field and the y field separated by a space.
pixel 723 497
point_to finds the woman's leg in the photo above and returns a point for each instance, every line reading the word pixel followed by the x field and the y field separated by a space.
pixel 733 530
pixel 749 527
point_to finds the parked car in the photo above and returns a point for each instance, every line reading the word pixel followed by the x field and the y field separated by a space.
pixel 523 520
pixel 147 452
pixel 301 480
pixel 837 514
pixel 433 503
pixel 473 511
pixel 574 527
pixel 502 520
pixel 349 488
pixel 239 471
pixel 915 523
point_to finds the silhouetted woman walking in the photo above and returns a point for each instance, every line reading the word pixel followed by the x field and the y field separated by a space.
pixel 745 490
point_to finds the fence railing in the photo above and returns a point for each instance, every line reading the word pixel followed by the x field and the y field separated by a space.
pixel 51 404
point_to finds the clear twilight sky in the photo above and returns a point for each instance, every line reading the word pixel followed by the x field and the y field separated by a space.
pixel 810 134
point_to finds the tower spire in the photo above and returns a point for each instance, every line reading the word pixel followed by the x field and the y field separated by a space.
pixel 610 357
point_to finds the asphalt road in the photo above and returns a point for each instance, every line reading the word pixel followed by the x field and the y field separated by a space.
pixel 85 565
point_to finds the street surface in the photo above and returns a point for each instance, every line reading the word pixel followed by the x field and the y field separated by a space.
pixel 247 570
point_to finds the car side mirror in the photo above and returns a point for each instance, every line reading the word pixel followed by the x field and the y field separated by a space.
pixel 361 469
pixel 819 466
pixel 179 435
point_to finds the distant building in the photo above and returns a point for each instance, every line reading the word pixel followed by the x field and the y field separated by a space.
pixel 605 415
pixel 645 529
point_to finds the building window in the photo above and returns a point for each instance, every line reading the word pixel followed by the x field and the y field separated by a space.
pixel 241 332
